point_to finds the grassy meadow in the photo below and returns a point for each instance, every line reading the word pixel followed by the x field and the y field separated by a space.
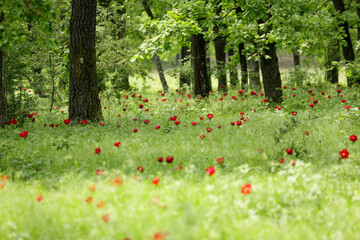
pixel 56 185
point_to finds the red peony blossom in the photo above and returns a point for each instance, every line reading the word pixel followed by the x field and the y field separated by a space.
pixel 289 151
pixel 160 159
pixel 201 118
pixel 157 127
pixel 210 115
pixel 238 123
pixel 312 105
pixel 99 172
pixel 23 134
pixel 177 122
pixel 102 123
pixel 246 189
pixel 310 91
pixel 209 129
pixel 202 136
pixel 39 198
pixel 241 91
pixel 124 109
pixel 344 101
pixel 210 170
pixel 4 178
pixel 293 162
pixel 67 121
pixel 52 125
pixel 84 122
pixel 135 130
pixel 173 118
pixel 146 121
pixel 232 123
pixel 169 159
pixel 106 217
pixel 294 113
pixel 338 91
pixel 140 169
pixel 353 138
pixel 141 106
pixel 219 126
pixel 344 153
pixel 306 133
pixel 347 107
pixel 220 160
pixel 155 181
pixel 194 123
pixel 282 160
pixel 97 151
pixel 322 93
pixel 117 144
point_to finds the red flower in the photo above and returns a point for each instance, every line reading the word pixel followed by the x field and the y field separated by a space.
pixel 353 138
pixel 282 160
pixel 344 153
pixel 209 129
pixel 30 115
pixel 201 118
pixel 338 91
pixel 238 123
pixel 52 125
pixel 155 181
pixel 67 121
pixel 99 172
pixel 241 91
pixel 102 123
pixel 97 150
pixel 135 130
pixel 220 160
pixel 194 123
pixel 210 170
pixel 13 121
pixel 306 133
pixel 124 109
pixel 219 126
pixel 294 113
pixel 141 106
pixel 106 217
pixel 23 134
pixel 312 105
pixel 157 127
pixel 347 107
pixel 173 118
pixel 177 122
pixel 164 99
pixel 169 159
pixel 293 162
pixel 246 189
pixel 233 123
pixel 140 169
pixel 289 151
pixel 310 91
pixel 160 159
pixel 84 122
pixel 210 115
pixel 117 144
pixel 146 121
pixel 134 119
pixel 344 101
pixel 202 136
pixel 39 198
pixel 322 93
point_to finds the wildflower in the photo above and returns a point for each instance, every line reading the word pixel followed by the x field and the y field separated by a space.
pixel 210 170
pixel 344 153
pixel 155 181
pixel 97 151
pixel 117 144
pixel 353 138
pixel 169 159
pixel 67 121
pixel 246 189
pixel 23 134
pixel 289 151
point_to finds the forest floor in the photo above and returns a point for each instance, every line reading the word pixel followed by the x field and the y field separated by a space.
pixel 233 167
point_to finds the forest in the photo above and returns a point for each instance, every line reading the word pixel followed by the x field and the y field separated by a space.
pixel 169 119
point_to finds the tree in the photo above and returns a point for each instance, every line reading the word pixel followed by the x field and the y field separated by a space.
pixel 2 92
pixel 156 57
pixel 198 57
pixel 84 100
pixel 184 58
pixel 242 56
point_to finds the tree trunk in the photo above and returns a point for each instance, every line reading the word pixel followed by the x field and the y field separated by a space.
pixel 159 68
pixel 271 74
pixel 219 44
pixel 233 69
pixel 2 90
pixel 358 15
pixel 84 100
pixel 254 74
pixel 296 56
pixel 184 75
pixel 348 50
pixel 198 54
pixel 331 70
pixel 243 66
pixel 156 57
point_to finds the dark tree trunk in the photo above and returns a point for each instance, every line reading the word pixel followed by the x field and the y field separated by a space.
pixel 358 25
pixel 156 57
pixel 198 54
pixel 208 64
pixel 348 50
pixel 84 100
pixel 243 66
pixel 271 74
pixel 233 69
pixel 2 90
pixel 296 56
pixel 184 58
pixel 254 74
pixel 159 68
pixel 331 70
pixel 219 44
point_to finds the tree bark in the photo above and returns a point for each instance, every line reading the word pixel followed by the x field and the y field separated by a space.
pixel 243 66
pixel 254 74
pixel 2 90
pixel 358 25
pixel 184 58
pixel 296 56
pixel 234 80
pixel 348 50
pixel 331 70
pixel 156 57
pixel 271 74
pixel 198 54
pixel 84 100
pixel 220 55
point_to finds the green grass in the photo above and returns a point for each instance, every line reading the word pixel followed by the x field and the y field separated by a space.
pixel 317 198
